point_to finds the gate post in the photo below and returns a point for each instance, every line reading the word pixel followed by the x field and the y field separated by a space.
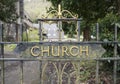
pixel 2 54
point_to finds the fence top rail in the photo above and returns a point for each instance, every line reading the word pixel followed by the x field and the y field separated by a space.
pixel 67 42
pixel 62 19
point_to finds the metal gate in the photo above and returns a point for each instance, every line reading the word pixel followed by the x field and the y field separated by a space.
pixel 62 69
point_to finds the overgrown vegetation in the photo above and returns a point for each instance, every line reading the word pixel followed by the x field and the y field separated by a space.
pixel 8 10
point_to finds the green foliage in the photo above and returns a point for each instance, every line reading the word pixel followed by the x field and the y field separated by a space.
pixel 7 10
pixel 107 25
pixel 89 10
pixel 107 30
pixel 69 28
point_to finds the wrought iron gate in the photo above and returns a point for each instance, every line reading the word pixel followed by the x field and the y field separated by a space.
pixel 62 69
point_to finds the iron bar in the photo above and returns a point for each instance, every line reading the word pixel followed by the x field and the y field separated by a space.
pixel 60 29
pixel 97 64
pixel 61 19
pixel 2 55
pixel 97 31
pixel 40 31
pixel 78 72
pixel 40 71
pixel 59 73
pixel 78 31
pixel 21 72
pixel 1 32
pixel 21 32
pixel 70 42
pixel 115 55
pixel 17 36
pixel 59 59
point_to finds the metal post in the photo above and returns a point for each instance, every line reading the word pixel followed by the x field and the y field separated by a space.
pixel 2 54
pixel 16 25
pixel 78 30
pixel 78 73
pixel 21 32
pixel 115 55
pixel 97 32
pixel 0 32
pixel 21 10
pixel 40 71
pixel 40 31
pixel 97 64
pixel 21 70
pixel 59 22
pixel 60 29
pixel 60 73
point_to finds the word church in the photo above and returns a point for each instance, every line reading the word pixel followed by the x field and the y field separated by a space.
pixel 59 51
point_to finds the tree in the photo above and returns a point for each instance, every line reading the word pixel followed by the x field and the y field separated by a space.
pixel 89 10
pixel 8 10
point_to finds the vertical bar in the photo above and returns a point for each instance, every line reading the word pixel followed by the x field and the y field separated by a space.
pixel 97 32
pixel 78 30
pixel 40 31
pixel 21 72
pixel 2 54
pixel 21 33
pixel 115 55
pixel 40 62
pixel 97 64
pixel 0 32
pixel 78 72
pixel 59 81
pixel 40 73
pixel 60 29
pixel 22 30
pixel 69 79
pixel 21 10
pixel 16 25
pixel 59 77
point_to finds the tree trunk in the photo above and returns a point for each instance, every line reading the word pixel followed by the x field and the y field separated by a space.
pixel 86 34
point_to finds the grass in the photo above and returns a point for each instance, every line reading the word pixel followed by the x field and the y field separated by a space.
pixel 31 35
pixel 10 47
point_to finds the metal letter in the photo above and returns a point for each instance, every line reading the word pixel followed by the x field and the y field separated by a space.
pixel 84 49
pixel 32 51
pixel 64 50
pixel 56 50
pixel 45 50
pixel 72 50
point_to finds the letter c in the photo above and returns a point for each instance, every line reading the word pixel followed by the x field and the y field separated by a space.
pixel 33 52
